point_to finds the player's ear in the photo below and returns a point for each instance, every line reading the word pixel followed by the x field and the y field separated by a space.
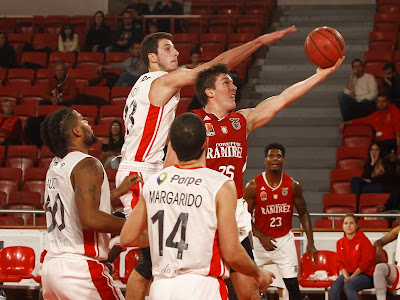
pixel 77 131
pixel 152 57
pixel 209 92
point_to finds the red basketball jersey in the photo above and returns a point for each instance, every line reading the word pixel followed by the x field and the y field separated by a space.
pixel 274 206
pixel 227 146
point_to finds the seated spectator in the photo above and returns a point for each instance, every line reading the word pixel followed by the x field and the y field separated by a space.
pixel 141 8
pixel 10 124
pixel 152 27
pixel 386 276
pixel 99 35
pixel 61 89
pixel 112 146
pixel 379 175
pixel 167 7
pixel 133 68
pixel 359 94
pixel 386 123
pixel 68 40
pixel 392 206
pixel 127 36
pixel 137 20
pixel 7 53
pixel 391 83
pixel 356 261
pixel 195 56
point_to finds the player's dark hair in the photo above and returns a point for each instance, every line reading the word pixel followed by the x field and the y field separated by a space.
pixel 206 80
pixel 357 60
pixel 389 66
pixel 187 136
pixel 351 216
pixel 150 45
pixel 275 146
pixel 383 94
pixel 55 128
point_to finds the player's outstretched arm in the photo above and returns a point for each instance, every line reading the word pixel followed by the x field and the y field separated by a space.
pixel 390 237
pixel 134 233
pixel 163 88
pixel 232 251
pixel 87 178
pixel 305 219
pixel 250 194
pixel 267 109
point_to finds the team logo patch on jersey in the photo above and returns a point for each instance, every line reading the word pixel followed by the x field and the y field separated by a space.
pixel 206 118
pixel 210 129
pixel 263 196
pixel 284 191
pixel 235 123
pixel 275 196
pixel 224 129
pixel 357 247
pixel 58 166
pixel 162 177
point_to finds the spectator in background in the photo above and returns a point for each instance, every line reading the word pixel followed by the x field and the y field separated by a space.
pixel 141 8
pixel 167 7
pixel 111 147
pixel 61 88
pixel 153 27
pixel 137 20
pixel 391 83
pixel 133 68
pixel 99 35
pixel 7 53
pixel 68 39
pixel 10 124
pixel 386 123
pixel 392 206
pixel 359 94
pixel 356 261
pixel 195 56
pixel 379 174
pixel 128 35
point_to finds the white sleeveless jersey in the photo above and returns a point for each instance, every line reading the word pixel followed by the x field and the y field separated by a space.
pixel 146 126
pixel 65 233
pixel 182 222
pixel 397 254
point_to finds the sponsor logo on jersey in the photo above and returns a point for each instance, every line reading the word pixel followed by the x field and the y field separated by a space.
pixel 275 196
pixel 145 78
pixel 58 167
pixel 357 247
pixel 210 129
pixel 224 129
pixel 275 209
pixel 284 191
pixel 206 118
pixel 263 196
pixel 228 149
pixel 263 188
pixel 162 177
pixel 235 123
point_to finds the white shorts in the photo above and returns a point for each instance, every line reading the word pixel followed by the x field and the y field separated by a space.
pixel 396 283
pixel 243 219
pixel 69 278
pixel 284 256
pixel 188 286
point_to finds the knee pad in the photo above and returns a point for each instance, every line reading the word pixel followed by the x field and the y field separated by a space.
pixel 144 265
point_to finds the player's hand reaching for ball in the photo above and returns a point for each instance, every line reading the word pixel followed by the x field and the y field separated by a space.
pixel 275 36
pixel 328 71
pixel 264 279
pixel 267 242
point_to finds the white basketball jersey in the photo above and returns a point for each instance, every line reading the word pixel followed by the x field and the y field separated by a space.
pixel 65 232
pixel 146 126
pixel 182 222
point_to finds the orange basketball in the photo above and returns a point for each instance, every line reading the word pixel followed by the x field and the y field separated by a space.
pixel 324 46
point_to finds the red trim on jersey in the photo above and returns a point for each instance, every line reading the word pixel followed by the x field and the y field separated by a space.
pixel 216 263
pixel 149 132
pixel 223 290
pixel 102 281
pixel 90 243
pixel 176 166
pixel 396 282
pixel 135 190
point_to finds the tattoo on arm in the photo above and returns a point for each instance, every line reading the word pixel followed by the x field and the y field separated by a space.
pixel 94 191
pixel 92 167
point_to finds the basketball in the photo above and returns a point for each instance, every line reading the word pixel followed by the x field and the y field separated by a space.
pixel 324 46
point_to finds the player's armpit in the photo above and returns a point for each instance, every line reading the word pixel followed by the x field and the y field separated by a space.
pixel 250 194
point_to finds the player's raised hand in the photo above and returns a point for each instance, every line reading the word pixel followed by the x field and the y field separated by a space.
pixel 275 36
pixel 328 71
pixel 264 278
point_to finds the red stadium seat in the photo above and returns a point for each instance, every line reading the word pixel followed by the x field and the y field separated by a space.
pixel 250 24
pixel 375 68
pixel 86 74
pixel 119 94
pixel 19 38
pixel 20 77
pixel 42 76
pixel 3 199
pixel 89 112
pixel 183 105
pixel 8 25
pixel 2 154
pixel 339 203
pixel 357 136
pixel 237 39
pixel 25 111
pixel 350 157
pixel 108 114
pixel 201 8
pixel 3 73
pixel 381 17
pixel 373 223
pixel 389 9
pixel 22 157
pixel 222 25
pixel 25 25
pixel 17 263
pixel 40 220
pixel 219 38
pixel 68 58
pixel 188 91
pixel 31 95
pixel 327 261
pixel 98 91
pixel 34 181
pixel 197 26
pixel 11 220
pixel 39 58
pixel 10 180
pixel 184 52
pixel 46 156
pixel 369 203
pixel 382 40
pixel 378 56
pixel 327 223
pixel 340 180
pixel 24 200
pixel 241 70
pixel 211 50
pixel 9 92
pixel 96 57
pixel 192 38
pixel 386 26
pixel 45 40
pixel 44 110
pixel 131 260
pixel 116 57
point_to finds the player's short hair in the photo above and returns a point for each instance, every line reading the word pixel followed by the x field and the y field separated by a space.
pixel 389 66
pixel 55 129
pixel 357 60
pixel 350 215
pixel 206 80
pixel 275 146
pixel 187 136
pixel 150 45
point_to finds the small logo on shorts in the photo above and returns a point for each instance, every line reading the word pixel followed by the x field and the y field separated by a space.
pixel 263 196
pixel 242 231
pixel 209 129
pixel 162 177
pixel 284 191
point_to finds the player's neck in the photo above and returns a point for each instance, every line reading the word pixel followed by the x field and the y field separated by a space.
pixel 273 177
pixel 216 110
pixel 194 163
